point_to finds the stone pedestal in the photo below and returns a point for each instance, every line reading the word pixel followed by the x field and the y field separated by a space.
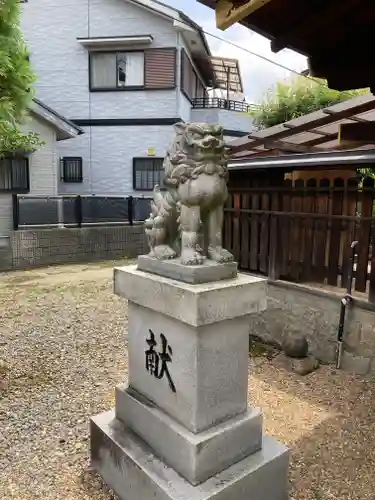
pixel 182 429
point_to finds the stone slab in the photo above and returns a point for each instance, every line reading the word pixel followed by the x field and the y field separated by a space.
pixel 197 457
pixel 129 467
pixel 209 271
pixel 208 366
pixel 355 364
pixel 195 305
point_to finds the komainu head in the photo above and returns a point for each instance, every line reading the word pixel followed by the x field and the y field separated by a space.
pixel 200 141
pixel 196 148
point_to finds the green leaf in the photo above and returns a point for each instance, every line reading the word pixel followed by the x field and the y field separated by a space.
pixel 297 97
pixel 16 81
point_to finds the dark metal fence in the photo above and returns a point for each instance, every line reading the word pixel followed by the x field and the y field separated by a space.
pixel 77 211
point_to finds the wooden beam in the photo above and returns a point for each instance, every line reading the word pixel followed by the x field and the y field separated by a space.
pixel 359 133
pixel 271 144
pixel 231 12
pixel 312 21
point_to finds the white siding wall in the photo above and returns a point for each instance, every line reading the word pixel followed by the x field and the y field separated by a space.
pixel 235 120
pixel 80 146
pixel 43 163
pixel 230 120
pixel 51 30
pixel 42 168
pixel 185 110
pixel 112 153
pixel 120 18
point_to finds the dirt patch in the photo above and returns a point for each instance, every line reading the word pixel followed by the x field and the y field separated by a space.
pixel 55 275
pixel 63 342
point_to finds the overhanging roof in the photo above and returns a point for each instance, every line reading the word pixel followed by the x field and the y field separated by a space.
pixel 315 132
pixel 191 31
pixel 308 161
pixel 118 42
pixel 219 72
pixel 227 74
pixel 65 128
pixel 319 30
pixel 179 18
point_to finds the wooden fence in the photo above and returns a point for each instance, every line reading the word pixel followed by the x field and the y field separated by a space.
pixel 302 231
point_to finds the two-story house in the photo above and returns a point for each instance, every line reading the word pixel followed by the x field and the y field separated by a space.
pixel 125 71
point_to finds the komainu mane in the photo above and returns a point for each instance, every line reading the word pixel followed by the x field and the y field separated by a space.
pixel 187 219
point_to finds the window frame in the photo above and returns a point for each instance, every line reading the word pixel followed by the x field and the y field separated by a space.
pixel 14 189
pixel 63 167
pixel 146 158
pixel 198 82
pixel 117 88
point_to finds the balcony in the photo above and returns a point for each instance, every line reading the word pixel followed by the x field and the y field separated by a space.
pixel 232 115
pixel 219 103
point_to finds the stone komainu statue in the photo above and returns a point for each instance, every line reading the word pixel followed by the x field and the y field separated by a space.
pixel 187 219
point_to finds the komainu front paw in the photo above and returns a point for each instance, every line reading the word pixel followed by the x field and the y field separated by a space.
pixel 190 257
pixel 219 254
pixel 164 252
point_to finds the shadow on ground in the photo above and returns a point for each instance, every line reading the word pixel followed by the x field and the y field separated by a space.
pixel 335 459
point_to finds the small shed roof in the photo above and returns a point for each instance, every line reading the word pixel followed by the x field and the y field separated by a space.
pixel 315 132
pixel 65 128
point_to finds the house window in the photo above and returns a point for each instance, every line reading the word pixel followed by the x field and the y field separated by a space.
pixel 116 70
pixel 147 172
pixel 14 175
pixel 71 169
pixel 191 84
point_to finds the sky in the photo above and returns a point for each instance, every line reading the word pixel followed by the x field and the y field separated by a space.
pixel 259 76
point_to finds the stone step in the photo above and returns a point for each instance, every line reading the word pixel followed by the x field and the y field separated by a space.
pixel 196 457
pixel 128 466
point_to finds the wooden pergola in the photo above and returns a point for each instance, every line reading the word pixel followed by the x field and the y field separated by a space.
pixel 321 131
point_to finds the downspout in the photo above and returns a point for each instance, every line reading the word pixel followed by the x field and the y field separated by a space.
pixel 90 112
pixel 178 75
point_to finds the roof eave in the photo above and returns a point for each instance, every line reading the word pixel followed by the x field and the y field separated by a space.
pixel 64 127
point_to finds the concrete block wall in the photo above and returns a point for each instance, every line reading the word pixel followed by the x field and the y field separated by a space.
pixel 40 247
pixel 315 313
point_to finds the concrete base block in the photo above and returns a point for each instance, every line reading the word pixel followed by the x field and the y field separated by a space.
pixel 196 457
pixel 131 469
pixel 196 305
pixel 173 269
pixel 355 364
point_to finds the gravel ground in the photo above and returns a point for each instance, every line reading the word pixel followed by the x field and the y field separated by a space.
pixel 62 338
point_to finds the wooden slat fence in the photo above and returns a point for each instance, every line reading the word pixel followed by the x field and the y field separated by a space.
pixel 302 231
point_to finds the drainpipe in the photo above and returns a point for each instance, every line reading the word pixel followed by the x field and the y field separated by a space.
pixel 60 211
pixel 178 75
pixel 90 109
pixel 228 86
